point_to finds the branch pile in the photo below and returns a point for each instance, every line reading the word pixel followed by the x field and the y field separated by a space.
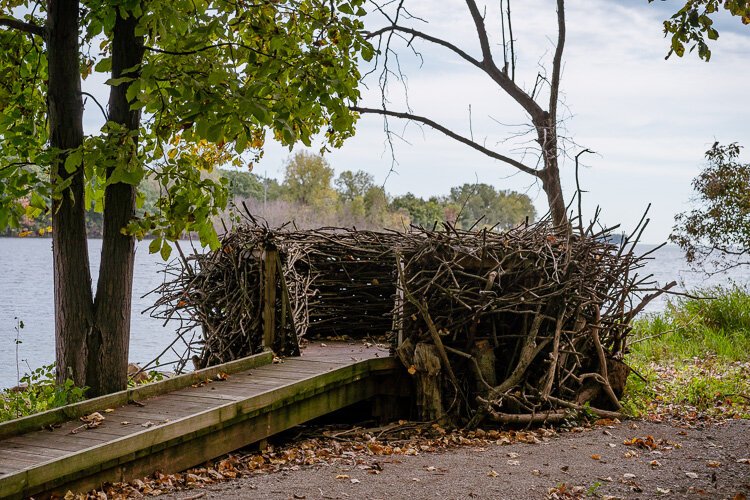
pixel 334 282
pixel 519 327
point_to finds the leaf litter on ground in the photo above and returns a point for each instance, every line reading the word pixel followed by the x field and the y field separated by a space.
pixel 357 447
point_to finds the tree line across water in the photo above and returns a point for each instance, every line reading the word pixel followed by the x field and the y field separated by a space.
pixel 312 195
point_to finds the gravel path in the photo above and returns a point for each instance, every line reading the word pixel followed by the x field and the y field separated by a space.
pixel 686 463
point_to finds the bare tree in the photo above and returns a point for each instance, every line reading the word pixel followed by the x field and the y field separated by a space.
pixel 544 121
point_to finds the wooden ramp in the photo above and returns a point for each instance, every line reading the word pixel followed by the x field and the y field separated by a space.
pixel 181 422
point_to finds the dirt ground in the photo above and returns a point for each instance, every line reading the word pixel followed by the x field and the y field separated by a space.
pixel 660 461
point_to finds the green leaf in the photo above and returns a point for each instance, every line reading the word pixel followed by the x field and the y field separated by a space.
pixel 73 161
pixel 166 250
pixel 37 201
pixel 155 245
pixel 114 82
pixel 104 65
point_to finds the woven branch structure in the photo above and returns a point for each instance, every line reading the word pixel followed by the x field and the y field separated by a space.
pixel 518 327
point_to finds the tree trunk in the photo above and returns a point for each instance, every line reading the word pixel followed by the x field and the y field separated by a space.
pixel 110 337
pixel 72 278
pixel 550 175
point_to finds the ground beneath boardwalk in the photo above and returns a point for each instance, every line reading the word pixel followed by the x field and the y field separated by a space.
pixel 633 459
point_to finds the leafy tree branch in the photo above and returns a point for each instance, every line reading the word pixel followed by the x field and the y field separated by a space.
pixel 26 27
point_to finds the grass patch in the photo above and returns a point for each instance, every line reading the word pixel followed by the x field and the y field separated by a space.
pixel 695 357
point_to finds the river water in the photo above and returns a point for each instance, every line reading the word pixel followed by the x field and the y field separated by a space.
pixel 26 295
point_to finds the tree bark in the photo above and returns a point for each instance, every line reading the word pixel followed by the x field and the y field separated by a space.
pixel 550 175
pixel 72 278
pixel 109 339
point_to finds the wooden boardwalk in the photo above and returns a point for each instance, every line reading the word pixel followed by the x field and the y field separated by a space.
pixel 184 421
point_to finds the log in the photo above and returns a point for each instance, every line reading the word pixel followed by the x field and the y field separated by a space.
pixel 594 391
pixel 484 368
pixel 429 394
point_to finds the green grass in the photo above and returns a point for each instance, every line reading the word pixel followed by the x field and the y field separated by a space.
pixel 695 357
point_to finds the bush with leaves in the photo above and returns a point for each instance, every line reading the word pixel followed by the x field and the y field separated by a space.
pixel 38 392
pixel 715 235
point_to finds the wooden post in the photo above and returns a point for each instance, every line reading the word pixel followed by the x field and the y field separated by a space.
pixel 287 314
pixel 269 297
pixel 428 371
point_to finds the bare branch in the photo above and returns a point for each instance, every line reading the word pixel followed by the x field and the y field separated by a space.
pixel 500 77
pixel 101 108
pixel 557 61
pixel 421 119
pixel 512 46
pixel 24 26
pixel 429 38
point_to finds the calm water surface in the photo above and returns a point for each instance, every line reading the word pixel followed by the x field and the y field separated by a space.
pixel 26 294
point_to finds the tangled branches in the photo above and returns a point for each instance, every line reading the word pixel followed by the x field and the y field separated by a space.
pixel 517 326
pixel 331 282
pixel 523 322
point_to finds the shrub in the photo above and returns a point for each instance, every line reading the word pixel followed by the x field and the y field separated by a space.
pixel 38 392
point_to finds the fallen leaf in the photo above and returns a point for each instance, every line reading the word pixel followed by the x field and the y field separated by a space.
pixel 655 463
pixel 713 464
pixel 109 410
pixel 95 417
pixel 596 457
pixel 663 491
pixel 691 475
pixel 354 480
pixel 124 422
pixel 91 421
pixel 645 443
pixel 628 475
pixel 342 476
pixel 412 370
pixel 743 461
pixel 514 462
pixel 492 473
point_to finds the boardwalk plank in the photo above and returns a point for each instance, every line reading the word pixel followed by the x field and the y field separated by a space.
pixel 192 424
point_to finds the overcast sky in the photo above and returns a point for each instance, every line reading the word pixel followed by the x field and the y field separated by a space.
pixel 649 120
